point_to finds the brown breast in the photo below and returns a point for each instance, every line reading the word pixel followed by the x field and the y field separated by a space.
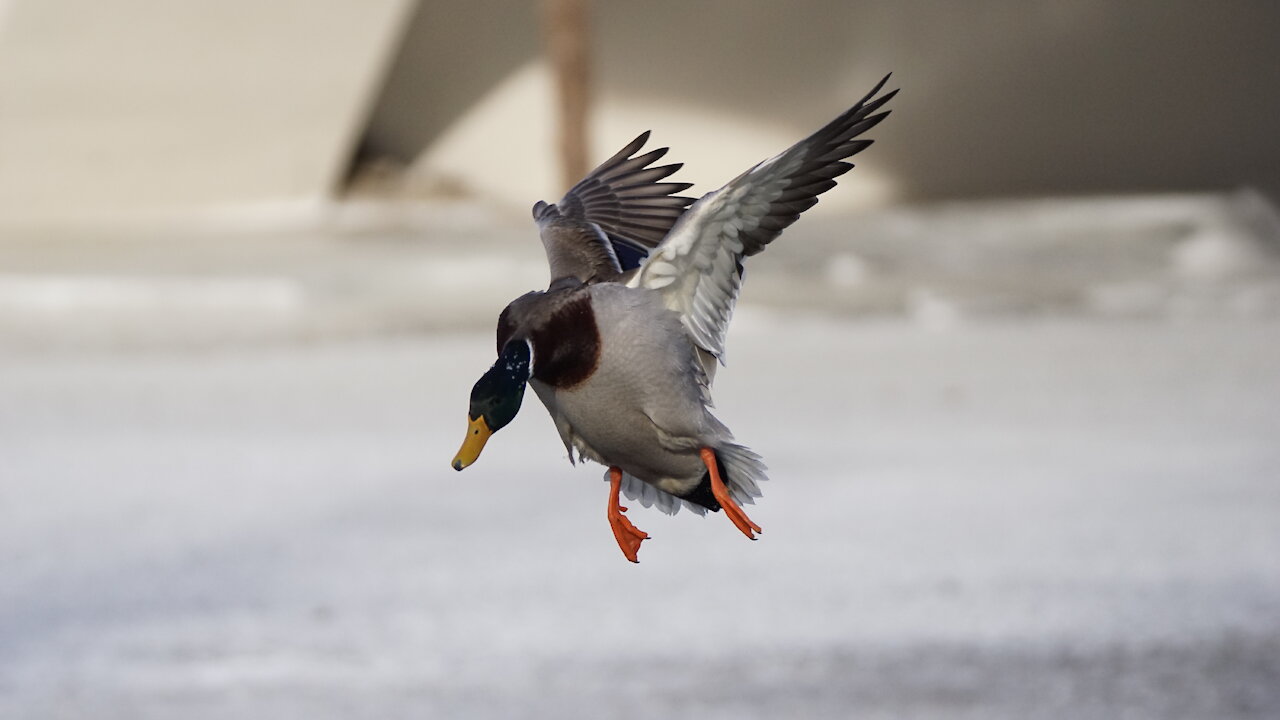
pixel 562 328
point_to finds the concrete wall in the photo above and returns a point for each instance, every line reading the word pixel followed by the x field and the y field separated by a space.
pixel 1000 97
pixel 138 107
pixel 142 107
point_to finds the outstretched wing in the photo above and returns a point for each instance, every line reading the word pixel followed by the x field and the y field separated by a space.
pixel 698 268
pixel 610 220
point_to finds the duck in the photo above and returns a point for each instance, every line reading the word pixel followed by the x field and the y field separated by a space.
pixel 623 344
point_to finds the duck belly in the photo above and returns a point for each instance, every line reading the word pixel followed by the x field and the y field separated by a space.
pixel 607 429
pixel 642 409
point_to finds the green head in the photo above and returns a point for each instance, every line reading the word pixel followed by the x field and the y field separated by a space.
pixel 495 399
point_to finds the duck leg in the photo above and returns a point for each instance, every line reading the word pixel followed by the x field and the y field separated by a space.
pixel 628 536
pixel 721 493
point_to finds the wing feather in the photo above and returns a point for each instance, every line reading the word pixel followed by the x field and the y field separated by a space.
pixel 610 220
pixel 698 267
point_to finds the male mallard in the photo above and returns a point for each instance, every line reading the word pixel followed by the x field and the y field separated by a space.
pixel 621 347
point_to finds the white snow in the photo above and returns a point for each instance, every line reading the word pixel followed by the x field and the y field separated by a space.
pixel 1008 520
pixel 1060 513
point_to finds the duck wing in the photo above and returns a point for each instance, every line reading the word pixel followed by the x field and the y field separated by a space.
pixel 613 217
pixel 698 267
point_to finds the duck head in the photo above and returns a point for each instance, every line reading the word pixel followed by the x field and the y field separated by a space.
pixel 495 399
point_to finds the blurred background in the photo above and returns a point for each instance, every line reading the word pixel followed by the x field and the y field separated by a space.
pixel 1015 377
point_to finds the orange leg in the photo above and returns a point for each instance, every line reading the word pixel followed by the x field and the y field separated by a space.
pixel 628 536
pixel 731 508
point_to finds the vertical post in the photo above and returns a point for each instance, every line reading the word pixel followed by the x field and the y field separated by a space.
pixel 565 29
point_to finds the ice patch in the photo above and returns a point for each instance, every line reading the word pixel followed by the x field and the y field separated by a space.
pixel 1213 254
pixel 72 293
pixel 847 270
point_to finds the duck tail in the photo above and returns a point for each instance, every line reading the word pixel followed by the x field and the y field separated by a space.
pixel 742 471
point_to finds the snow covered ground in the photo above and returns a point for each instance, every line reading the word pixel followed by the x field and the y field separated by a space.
pixel 1008 514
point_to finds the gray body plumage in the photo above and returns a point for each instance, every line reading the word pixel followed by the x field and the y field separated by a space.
pixel 645 408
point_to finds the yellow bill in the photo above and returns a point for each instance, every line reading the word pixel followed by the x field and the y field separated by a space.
pixel 478 433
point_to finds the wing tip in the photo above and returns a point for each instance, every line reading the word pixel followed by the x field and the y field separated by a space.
pixel 878 86
pixel 542 209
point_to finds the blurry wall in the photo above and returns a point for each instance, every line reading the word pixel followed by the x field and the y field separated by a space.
pixel 454 52
pixel 113 108
pixel 1000 97
pixel 132 106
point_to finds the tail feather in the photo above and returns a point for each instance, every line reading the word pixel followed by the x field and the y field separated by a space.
pixel 742 471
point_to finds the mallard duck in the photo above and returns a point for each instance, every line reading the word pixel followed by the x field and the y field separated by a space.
pixel 622 346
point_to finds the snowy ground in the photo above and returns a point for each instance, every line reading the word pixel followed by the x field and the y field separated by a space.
pixel 1018 520
pixel 997 516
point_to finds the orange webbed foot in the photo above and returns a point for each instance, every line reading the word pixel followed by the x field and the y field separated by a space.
pixel 628 536
pixel 721 492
